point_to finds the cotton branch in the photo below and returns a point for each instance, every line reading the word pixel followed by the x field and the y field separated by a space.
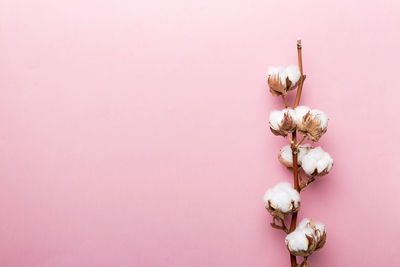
pixel 305 184
pixel 295 150
pixel 280 227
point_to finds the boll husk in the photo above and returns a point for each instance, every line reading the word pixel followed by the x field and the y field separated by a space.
pixel 311 122
pixel 282 122
pixel 316 162
pixel 286 158
pixel 319 231
pixel 308 237
pixel 281 80
pixel 281 200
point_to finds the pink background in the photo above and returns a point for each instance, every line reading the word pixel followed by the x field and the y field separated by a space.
pixel 134 133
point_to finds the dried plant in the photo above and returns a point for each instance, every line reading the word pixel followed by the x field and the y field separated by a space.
pixel 283 200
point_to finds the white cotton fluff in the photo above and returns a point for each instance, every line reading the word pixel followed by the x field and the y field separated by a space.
pixel 276 117
pixel 297 240
pixel 281 197
pixel 306 223
pixel 316 160
pixel 286 153
pixel 322 117
pixel 279 71
pixel 293 73
pixel 299 113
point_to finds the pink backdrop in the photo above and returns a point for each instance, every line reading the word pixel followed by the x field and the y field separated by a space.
pixel 134 133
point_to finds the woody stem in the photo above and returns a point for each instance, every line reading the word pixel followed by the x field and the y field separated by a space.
pixel 301 141
pixel 300 87
pixel 293 222
pixel 284 101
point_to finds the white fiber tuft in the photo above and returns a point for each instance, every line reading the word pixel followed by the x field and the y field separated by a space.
pixel 299 113
pixel 293 73
pixel 316 160
pixel 322 117
pixel 281 197
pixel 286 153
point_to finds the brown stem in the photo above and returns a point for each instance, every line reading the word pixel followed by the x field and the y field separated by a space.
pixel 300 86
pixel 284 101
pixel 301 141
pixel 297 187
pixel 280 227
pixel 293 222
pixel 305 184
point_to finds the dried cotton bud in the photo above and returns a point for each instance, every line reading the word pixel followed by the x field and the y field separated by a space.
pixel 316 162
pixel 281 80
pixel 312 123
pixel 281 122
pixel 286 158
pixel 282 199
pixel 319 231
pixel 308 237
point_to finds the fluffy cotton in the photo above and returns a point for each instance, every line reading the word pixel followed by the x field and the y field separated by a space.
pixel 322 117
pixel 306 223
pixel 286 158
pixel 310 122
pixel 275 118
pixel 281 122
pixel 298 241
pixel 288 79
pixel 279 72
pixel 316 162
pixel 308 237
pixel 300 112
pixel 293 73
pixel 282 197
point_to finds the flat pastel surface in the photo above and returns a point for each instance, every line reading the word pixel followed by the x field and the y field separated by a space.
pixel 135 133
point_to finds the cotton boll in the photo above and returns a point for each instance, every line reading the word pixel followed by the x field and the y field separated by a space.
pixel 322 117
pixel 317 162
pixel 306 238
pixel 278 71
pixel 286 158
pixel 313 123
pixel 293 74
pixel 282 122
pixel 300 112
pixel 303 223
pixel 279 82
pixel 318 231
pixel 281 200
pixel 297 241
pixel 301 242
pixel 275 118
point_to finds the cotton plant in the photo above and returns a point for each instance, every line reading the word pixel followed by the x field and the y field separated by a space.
pixel 283 200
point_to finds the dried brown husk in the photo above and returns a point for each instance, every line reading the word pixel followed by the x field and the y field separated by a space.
pixel 312 244
pixel 284 162
pixel 324 172
pixel 278 213
pixel 311 127
pixel 287 126
pixel 277 88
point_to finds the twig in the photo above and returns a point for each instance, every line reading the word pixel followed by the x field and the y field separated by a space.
pixel 280 227
pixel 304 263
pixel 284 101
pixel 300 86
pixel 293 222
pixel 301 141
pixel 305 184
